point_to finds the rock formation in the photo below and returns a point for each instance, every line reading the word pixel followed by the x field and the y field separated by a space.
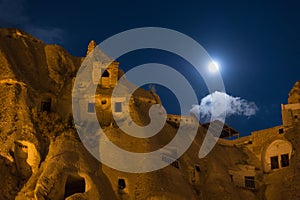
pixel 42 157
pixel 294 95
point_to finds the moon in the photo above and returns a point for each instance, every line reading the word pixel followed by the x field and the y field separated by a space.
pixel 213 67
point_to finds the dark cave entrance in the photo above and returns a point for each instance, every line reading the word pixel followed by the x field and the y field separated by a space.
pixel 75 184
pixel 46 105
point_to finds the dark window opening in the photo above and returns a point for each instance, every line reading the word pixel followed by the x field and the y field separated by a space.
pixel 296 117
pixel 121 184
pixel 105 73
pixel 91 107
pixel 171 161
pixel 280 130
pixel 249 182
pixel 118 107
pixel 274 162
pixel 231 178
pixel 285 160
pixel 46 106
pixel 75 184
pixel 197 167
pixel 103 102
pixel 175 164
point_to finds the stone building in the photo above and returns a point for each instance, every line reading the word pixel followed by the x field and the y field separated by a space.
pixel 291 111
pixel 109 74
pixel 268 150
pixel 105 74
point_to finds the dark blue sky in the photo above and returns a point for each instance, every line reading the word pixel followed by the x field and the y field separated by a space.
pixel 256 43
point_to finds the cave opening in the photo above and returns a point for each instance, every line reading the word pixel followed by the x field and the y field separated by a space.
pixel 46 105
pixel 74 184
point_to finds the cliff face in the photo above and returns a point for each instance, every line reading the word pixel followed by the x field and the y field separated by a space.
pixel 42 157
pixel 36 79
pixel 294 95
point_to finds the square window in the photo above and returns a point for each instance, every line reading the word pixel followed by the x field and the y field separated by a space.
pixel 285 160
pixel 103 102
pixel 280 131
pixel 274 162
pixel 91 107
pixel 118 107
pixel 249 182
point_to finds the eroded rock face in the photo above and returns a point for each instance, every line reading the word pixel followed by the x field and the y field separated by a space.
pixel 69 171
pixel 294 95
pixel 42 157
pixel 27 158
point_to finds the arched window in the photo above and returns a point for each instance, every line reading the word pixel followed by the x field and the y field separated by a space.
pixel 105 73
pixel 277 155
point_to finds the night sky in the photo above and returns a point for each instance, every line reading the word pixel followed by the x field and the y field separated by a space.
pixel 255 43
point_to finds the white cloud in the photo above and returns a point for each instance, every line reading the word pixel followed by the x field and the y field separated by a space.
pixel 222 104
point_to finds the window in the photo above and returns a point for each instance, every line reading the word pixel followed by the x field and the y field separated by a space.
pixel 231 178
pixel 170 160
pixel 280 131
pixel 274 162
pixel 249 182
pixel 91 107
pixel 175 164
pixel 285 160
pixel 296 117
pixel 118 107
pixel 121 184
pixel 103 102
pixel 105 73
pixel 46 106
pixel 197 167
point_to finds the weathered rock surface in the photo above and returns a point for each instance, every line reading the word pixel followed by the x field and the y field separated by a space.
pixel 42 157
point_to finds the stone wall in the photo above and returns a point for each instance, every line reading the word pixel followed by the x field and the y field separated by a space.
pixel 109 74
pixel 290 114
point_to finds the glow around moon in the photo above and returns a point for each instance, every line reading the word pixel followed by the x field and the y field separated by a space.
pixel 213 67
